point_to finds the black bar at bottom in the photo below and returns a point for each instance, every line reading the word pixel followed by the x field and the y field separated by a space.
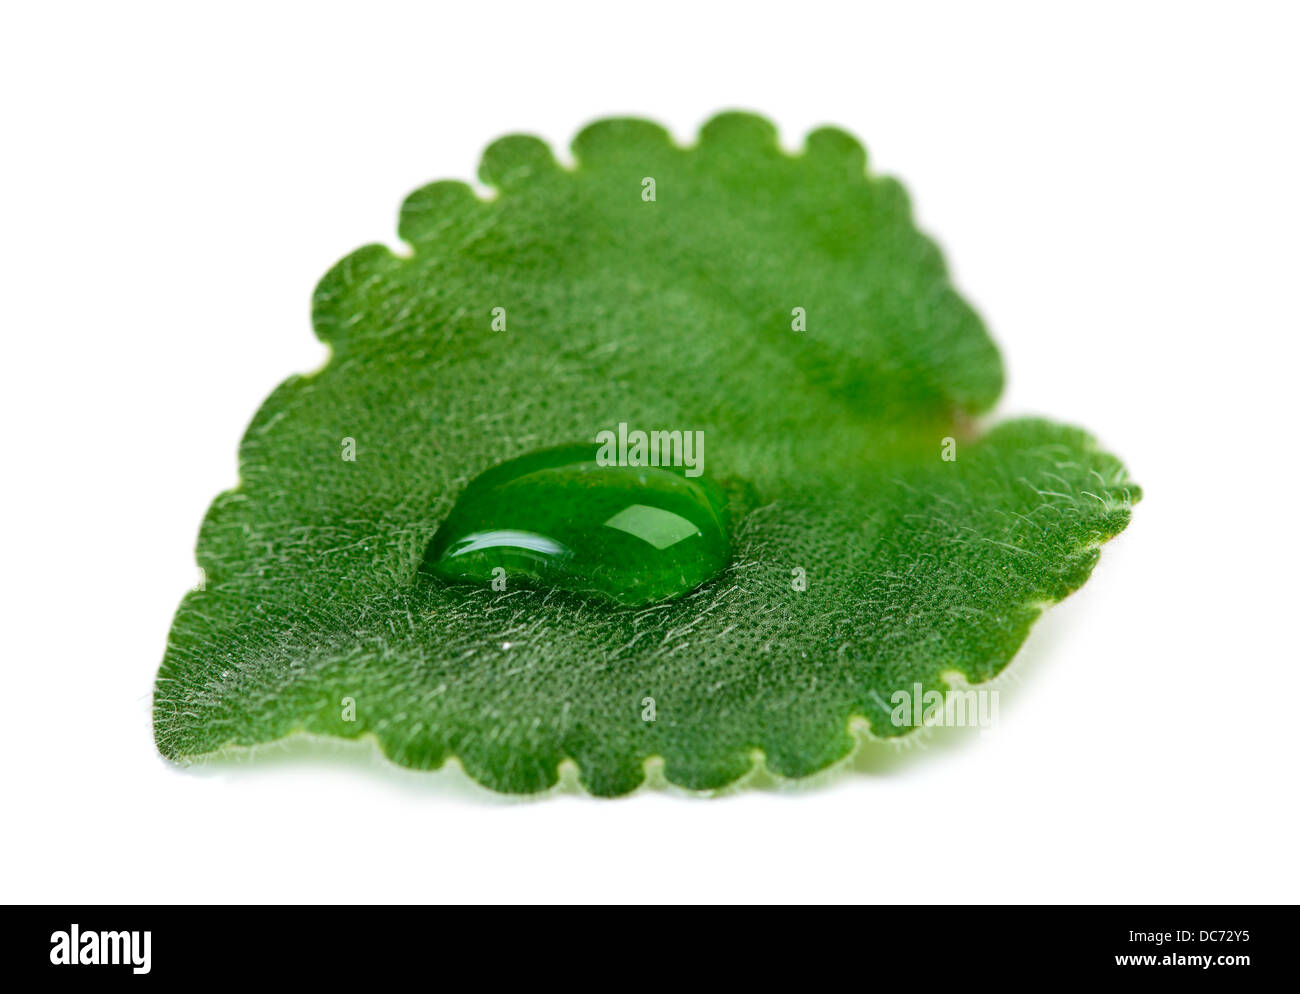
pixel 655 946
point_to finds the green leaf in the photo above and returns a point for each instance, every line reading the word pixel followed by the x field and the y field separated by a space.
pixel 676 312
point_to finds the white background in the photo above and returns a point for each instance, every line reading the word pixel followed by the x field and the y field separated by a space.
pixel 1116 190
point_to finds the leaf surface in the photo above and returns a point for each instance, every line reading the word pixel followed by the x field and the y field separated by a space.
pixel 674 313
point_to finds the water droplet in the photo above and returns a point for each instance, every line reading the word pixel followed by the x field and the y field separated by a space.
pixel 634 534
